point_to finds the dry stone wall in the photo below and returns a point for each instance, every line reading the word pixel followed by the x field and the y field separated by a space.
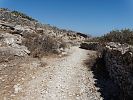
pixel 118 60
pixel 119 63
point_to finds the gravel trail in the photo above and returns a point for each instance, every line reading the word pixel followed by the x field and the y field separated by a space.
pixel 64 78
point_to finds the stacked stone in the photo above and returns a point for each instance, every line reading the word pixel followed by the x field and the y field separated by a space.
pixel 93 46
pixel 119 63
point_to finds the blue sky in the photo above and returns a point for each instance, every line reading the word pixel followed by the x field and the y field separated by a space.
pixel 95 17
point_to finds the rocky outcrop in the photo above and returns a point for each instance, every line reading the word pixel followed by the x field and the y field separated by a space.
pixel 11 45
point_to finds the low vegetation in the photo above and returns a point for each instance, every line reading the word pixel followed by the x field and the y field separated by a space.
pixel 121 36
pixel 22 15
pixel 41 45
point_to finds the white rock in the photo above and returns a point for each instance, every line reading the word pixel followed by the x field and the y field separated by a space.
pixel 64 53
pixel 17 88
pixel 33 77
pixel 19 27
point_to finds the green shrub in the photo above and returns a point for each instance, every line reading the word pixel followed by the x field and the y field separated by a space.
pixel 121 36
pixel 4 9
pixel 22 15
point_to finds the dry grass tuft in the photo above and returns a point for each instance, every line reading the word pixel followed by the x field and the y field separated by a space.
pixel 41 45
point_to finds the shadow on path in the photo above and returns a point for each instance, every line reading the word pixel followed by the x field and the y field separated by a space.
pixel 107 88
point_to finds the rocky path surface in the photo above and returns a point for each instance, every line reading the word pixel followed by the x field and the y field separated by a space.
pixel 66 78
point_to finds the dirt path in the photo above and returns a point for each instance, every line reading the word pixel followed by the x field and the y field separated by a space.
pixel 64 78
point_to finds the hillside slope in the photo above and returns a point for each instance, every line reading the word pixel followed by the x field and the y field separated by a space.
pixel 22 35
pixel 14 18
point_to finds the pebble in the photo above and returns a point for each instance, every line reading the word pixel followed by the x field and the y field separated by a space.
pixel 17 88
pixel 13 95
pixel 22 78
pixel 33 77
